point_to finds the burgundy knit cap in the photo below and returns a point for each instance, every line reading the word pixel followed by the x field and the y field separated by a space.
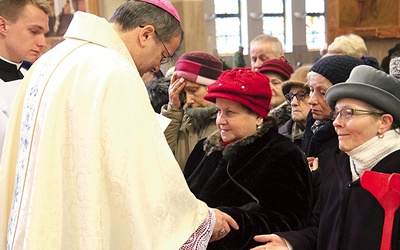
pixel 199 67
pixel 165 5
pixel 277 66
pixel 245 86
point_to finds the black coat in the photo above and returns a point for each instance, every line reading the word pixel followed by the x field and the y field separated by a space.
pixel 265 166
pixel 323 144
pixel 346 216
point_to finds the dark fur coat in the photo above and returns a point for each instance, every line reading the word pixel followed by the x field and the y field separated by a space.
pixel 262 181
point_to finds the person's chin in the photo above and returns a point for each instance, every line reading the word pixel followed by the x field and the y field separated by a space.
pixel 318 116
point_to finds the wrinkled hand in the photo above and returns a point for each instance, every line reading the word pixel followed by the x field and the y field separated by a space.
pixel 174 91
pixel 312 163
pixel 223 225
pixel 273 242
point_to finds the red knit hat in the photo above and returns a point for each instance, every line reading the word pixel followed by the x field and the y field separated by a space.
pixel 244 86
pixel 277 66
pixel 199 67
pixel 165 5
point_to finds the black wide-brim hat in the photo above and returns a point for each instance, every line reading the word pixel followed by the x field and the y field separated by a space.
pixel 370 85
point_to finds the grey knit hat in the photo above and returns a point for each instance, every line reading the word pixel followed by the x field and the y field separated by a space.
pixel 372 86
pixel 336 68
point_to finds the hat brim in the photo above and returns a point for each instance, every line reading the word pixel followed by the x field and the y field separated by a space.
pixel 288 84
pixel 212 97
pixel 370 94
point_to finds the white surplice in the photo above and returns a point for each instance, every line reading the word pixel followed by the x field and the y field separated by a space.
pixel 85 163
pixel 8 90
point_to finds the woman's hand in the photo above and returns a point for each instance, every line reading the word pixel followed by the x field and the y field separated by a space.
pixel 312 163
pixel 273 242
pixel 223 225
pixel 175 89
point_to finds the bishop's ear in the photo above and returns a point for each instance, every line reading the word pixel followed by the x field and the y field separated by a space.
pixel 145 33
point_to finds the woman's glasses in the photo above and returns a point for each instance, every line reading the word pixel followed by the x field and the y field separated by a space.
pixel 301 95
pixel 348 113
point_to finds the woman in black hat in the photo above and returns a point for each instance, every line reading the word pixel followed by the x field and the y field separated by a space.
pixel 347 216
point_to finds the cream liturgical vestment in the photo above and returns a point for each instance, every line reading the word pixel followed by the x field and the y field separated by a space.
pixel 85 163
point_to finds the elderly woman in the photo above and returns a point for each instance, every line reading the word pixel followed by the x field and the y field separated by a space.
pixel 246 168
pixel 320 140
pixel 366 118
pixel 297 93
pixel 278 71
pixel 194 120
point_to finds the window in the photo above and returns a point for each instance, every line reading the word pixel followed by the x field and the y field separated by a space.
pixel 227 25
pixel 315 24
pixel 231 23
pixel 274 19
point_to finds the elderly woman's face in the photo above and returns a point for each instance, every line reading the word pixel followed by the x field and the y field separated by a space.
pixel 194 94
pixel 318 87
pixel 300 108
pixel 359 128
pixel 235 122
pixel 275 81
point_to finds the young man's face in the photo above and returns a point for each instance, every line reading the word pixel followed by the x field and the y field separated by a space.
pixel 25 38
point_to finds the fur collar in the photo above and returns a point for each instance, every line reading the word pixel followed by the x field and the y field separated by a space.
pixel 214 142
pixel 198 116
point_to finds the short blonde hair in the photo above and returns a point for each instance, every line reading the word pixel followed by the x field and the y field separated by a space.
pixel 350 44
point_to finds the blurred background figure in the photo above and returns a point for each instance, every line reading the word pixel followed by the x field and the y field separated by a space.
pixel 63 12
pixel 152 76
pixel 394 65
pixel 192 117
pixel 297 93
pixel 265 47
pixel 158 92
pixel 386 60
pixel 350 44
pixel 322 51
pixel 278 71
pixel 238 58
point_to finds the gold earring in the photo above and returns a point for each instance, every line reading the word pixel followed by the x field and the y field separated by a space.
pixel 258 127
pixel 380 136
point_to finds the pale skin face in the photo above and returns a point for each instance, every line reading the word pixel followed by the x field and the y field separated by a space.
pixel 194 94
pixel 261 52
pixel 275 81
pixel 300 108
pixel 25 38
pixel 145 48
pixel 318 87
pixel 235 122
pixel 360 128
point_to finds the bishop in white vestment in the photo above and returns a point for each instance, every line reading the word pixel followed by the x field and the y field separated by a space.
pixel 86 165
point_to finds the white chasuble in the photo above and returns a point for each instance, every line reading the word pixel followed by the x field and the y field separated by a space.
pixel 85 164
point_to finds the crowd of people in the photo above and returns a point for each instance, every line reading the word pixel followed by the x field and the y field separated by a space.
pixel 269 156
